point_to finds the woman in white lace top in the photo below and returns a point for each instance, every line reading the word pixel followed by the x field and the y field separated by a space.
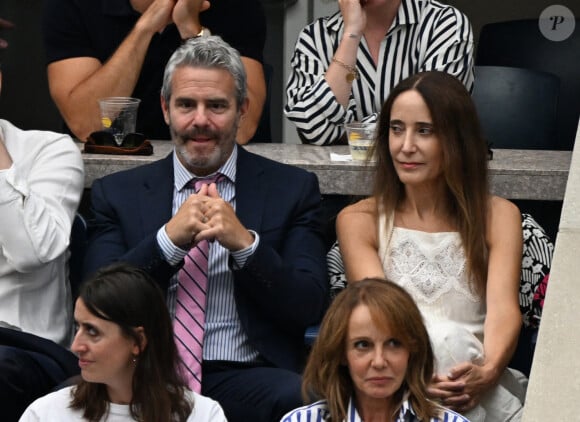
pixel 433 227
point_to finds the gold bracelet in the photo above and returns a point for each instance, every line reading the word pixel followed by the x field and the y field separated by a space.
pixel 352 72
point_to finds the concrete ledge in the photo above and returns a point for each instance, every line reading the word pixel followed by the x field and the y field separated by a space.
pixel 515 174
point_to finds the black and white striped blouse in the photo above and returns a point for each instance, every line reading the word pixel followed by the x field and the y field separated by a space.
pixel 425 35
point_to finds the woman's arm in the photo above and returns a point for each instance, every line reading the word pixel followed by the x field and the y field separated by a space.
pixel 503 319
pixel 344 59
pixel 356 230
pixel 467 382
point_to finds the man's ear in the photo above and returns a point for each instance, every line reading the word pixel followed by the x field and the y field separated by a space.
pixel 244 107
pixel 165 108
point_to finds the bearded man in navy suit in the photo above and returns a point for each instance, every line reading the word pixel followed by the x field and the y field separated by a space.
pixel 266 278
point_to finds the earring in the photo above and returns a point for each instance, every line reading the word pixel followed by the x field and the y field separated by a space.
pixel 134 360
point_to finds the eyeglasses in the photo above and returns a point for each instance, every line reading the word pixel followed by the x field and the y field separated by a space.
pixel 104 138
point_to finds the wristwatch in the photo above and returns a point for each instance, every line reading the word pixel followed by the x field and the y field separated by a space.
pixel 203 33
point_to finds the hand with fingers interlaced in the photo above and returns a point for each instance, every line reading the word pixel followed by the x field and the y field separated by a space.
pixel 206 216
pixel 461 390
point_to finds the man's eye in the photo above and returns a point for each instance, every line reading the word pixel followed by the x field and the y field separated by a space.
pixel 218 106
pixel 185 104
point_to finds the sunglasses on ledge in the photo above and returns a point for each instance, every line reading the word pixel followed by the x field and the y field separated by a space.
pixel 103 142
pixel 130 140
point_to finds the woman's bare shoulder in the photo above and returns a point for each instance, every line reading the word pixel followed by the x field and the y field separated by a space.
pixel 359 219
pixel 501 209
pixel 364 206
pixel 505 220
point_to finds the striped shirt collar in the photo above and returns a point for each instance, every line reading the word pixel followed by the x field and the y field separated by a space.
pixel 406 413
pixel 182 176
pixel 407 14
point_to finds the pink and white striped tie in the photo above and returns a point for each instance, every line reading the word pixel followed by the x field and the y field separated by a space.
pixel 190 305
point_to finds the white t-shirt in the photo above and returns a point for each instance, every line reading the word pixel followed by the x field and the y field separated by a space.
pixel 55 407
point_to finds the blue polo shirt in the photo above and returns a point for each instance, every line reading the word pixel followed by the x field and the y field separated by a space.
pixel 95 28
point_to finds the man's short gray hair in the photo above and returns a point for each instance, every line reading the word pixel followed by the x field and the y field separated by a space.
pixel 211 53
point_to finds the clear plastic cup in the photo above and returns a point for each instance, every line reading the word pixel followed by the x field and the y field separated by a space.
pixel 360 137
pixel 119 115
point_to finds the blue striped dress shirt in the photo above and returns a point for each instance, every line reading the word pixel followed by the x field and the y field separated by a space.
pixel 425 35
pixel 224 337
pixel 318 412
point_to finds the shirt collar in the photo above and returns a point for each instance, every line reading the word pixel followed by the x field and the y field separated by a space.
pixel 182 176
pixel 351 413
pixel 408 13
pixel 406 413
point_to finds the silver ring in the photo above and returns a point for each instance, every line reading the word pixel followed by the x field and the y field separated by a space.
pixel 204 219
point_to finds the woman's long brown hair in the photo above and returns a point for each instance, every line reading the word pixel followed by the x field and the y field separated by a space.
pixel 465 162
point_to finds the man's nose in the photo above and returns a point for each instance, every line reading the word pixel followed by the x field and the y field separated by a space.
pixel 201 116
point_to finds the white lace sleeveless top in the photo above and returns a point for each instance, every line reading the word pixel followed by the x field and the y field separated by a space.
pixel 432 268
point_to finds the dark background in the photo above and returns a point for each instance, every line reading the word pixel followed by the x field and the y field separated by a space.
pixel 25 100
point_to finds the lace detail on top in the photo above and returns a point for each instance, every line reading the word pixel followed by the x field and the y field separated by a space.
pixel 432 268
pixel 429 265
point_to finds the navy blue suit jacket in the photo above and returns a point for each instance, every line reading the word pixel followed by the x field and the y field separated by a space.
pixel 283 287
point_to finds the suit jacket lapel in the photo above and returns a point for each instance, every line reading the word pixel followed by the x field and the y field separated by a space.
pixel 156 195
pixel 251 188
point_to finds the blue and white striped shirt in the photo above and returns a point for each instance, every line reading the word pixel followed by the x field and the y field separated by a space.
pixel 318 412
pixel 224 337
pixel 425 35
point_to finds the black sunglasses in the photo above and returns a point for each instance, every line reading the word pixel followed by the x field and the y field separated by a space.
pixel 104 138
pixel 489 151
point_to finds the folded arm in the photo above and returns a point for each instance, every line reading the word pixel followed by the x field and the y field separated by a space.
pixel 453 53
pixel 77 83
pixel 311 103
pixel 38 202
